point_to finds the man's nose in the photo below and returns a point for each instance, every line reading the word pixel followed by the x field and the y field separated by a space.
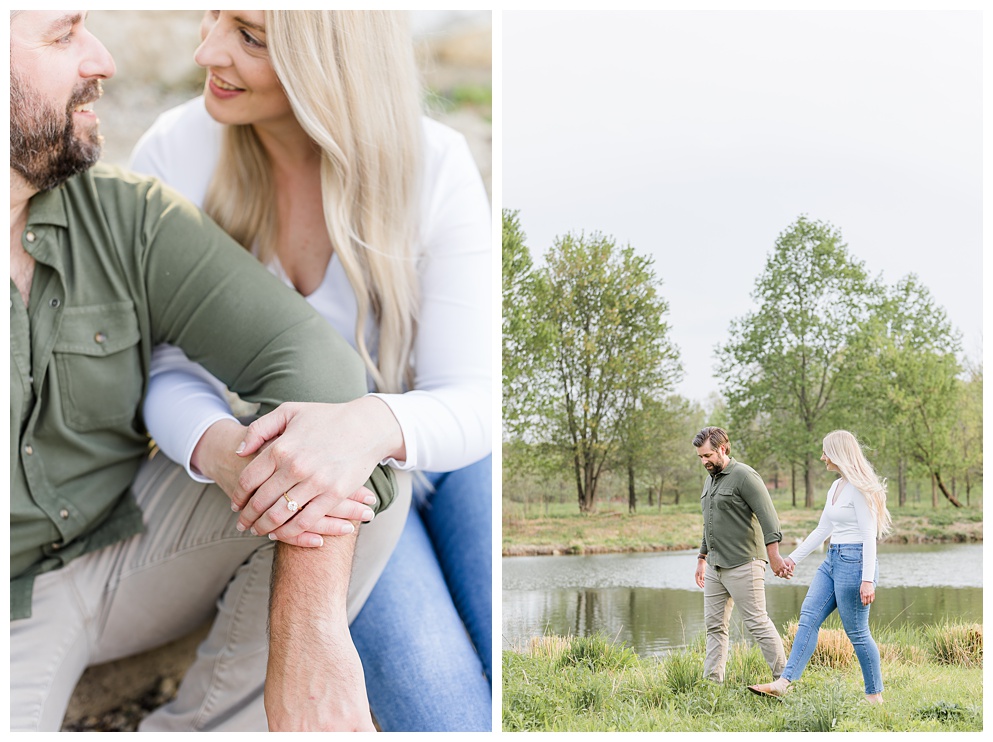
pixel 98 62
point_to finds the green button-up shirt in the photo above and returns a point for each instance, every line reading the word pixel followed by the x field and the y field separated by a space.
pixel 124 263
pixel 738 517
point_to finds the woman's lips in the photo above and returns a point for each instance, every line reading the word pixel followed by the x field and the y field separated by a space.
pixel 221 88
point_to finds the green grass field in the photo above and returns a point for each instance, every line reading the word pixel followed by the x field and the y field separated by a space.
pixel 932 675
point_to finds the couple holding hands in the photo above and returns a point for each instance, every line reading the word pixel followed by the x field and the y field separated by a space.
pixel 741 533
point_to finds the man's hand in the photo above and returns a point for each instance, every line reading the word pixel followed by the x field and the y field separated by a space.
pixel 776 562
pixel 314 680
pixel 787 569
pixel 701 571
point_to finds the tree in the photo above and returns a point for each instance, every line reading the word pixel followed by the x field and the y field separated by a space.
pixel 604 344
pixel 918 358
pixel 788 358
pixel 524 351
pixel 967 432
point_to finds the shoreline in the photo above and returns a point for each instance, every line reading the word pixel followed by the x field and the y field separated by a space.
pixel 590 549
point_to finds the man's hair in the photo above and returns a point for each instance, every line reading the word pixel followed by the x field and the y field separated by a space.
pixel 717 437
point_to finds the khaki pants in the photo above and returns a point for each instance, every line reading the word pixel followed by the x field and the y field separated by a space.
pixel 155 587
pixel 743 586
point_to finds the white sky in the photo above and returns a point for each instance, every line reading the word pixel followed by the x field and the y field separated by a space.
pixel 699 137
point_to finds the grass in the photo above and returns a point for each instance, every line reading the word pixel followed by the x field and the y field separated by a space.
pixel 561 529
pixel 591 684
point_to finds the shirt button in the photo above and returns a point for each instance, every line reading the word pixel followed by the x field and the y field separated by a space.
pixel 28 450
pixel 100 337
pixel 56 546
pixel 64 514
pixel 29 236
pixel 54 303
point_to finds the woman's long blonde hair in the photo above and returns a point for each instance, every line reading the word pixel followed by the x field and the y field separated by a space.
pixel 352 82
pixel 845 452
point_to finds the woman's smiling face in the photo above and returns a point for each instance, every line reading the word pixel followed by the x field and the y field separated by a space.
pixel 241 86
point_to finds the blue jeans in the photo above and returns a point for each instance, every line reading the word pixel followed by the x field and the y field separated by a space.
pixel 425 634
pixel 836 585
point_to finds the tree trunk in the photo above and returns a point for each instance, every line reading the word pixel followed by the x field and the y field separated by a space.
pixel 944 490
pixel 579 481
pixel 651 496
pixel 793 482
pixel 632 502
pixel 934 491
pixel 901 482
pixel 808 478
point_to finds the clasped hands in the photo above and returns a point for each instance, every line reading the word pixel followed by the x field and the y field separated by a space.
pixel 310 454
pixel 783 567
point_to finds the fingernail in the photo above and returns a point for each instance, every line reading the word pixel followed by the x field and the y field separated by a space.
pixel 347 528
pixel 241 447
pixel 369 499
pixel 272 536
pixel 254 532
pixel 240 526
pixel 315 541
pixel 368 515
pixel 234 507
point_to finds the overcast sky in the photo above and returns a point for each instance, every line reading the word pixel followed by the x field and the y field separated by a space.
pixel 699 137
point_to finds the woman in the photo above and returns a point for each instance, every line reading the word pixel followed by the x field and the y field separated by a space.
pixel 309 148
pixel 854 516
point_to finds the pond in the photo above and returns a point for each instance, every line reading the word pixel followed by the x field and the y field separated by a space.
pixel 650 602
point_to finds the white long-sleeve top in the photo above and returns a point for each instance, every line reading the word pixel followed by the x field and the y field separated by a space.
pixel 850 520
pixel 446 418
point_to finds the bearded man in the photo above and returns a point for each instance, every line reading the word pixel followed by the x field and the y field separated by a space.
pixel 111 551
pixel 740 533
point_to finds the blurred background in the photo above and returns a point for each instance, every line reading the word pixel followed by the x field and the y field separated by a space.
pixel 154 50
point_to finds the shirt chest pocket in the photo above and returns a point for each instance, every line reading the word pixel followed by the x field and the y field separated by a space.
pixel 728 499
pixel 99 366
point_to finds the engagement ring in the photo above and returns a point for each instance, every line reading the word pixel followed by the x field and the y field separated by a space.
pixel 291 505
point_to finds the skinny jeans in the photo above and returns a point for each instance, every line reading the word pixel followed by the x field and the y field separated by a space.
pixel 425 634
pixel 836 584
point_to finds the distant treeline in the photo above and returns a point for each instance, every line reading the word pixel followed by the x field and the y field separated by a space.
pixel 589 371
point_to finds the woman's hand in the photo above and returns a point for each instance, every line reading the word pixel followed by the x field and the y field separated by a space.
pixel 319 454
pixel 214 457
pixel 787 571
pixel 867 592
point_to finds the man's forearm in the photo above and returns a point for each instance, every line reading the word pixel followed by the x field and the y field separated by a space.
pixel 314 680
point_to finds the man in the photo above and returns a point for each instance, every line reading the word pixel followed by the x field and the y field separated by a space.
pixel 740 532
pixel 113 552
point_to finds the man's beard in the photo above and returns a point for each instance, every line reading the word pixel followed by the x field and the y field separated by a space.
pixel 714 468
pixel 44 147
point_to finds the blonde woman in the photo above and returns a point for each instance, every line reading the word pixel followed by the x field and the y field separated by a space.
pixel 854 516
pixel 308 146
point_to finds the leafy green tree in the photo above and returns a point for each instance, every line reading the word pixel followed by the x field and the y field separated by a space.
pixel 967 431
pixel 524 342
pixel 789 357
pixel 919 381
pixel 605 344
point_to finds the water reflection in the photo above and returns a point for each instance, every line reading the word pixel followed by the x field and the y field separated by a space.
pixel 650 602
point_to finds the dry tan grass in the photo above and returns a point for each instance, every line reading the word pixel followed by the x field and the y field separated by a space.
pixel 910 654
pixel 957 645
pixel 549 647
pixel 833 647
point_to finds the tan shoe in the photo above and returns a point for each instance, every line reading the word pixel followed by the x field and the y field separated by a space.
pixel 774 690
